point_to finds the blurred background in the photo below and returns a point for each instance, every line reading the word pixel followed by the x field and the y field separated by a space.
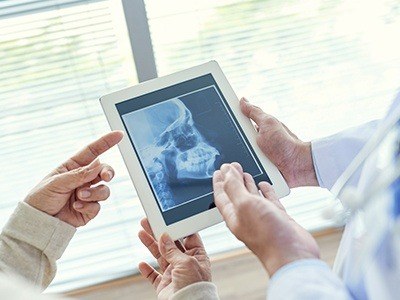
pixel 317 65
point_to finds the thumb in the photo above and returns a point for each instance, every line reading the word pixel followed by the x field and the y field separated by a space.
pixel 170 251
pixel 73 179
pixel 251 111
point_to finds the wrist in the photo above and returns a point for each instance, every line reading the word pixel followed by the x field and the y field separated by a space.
pixel 31 201
pixel 28 200
pixel 303 170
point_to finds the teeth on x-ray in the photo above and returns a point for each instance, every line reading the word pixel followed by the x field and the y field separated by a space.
pixel 179 152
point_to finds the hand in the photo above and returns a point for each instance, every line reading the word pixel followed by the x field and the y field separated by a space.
pixel 67 193
pixel 180 264
pixel 285 150
pixel 260 222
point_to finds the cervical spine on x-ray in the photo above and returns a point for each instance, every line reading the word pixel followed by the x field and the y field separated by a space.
pixel 179 153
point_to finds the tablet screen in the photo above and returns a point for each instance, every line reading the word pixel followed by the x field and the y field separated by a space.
pixel 181 135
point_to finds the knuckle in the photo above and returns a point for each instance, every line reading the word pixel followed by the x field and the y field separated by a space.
pixel 229 177
pixel 170 253
pixel 157 255
pixel 269 121
pixel 260 141
pixel 190 261
pixel 229 181
pixel 81 172
pixel 173 273
pixel 237 166
pixel 61 168
pixel 244 206
pixel 50 181
pixel 93 150
pixel 163 263
pixel 254 109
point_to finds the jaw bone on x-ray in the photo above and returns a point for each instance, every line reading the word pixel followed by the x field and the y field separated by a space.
pixel 179 152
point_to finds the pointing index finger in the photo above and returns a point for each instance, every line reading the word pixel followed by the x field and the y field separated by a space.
pixel 94 149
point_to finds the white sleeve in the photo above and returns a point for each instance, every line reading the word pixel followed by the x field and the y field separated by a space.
pixel 331 155
pixel 307 279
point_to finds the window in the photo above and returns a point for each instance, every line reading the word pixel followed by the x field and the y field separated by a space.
pixel 58 58
pixel 311 63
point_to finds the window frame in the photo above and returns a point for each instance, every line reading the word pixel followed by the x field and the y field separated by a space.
pixel 140 40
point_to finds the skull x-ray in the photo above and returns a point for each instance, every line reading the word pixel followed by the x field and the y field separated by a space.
pixel 172 149
pixel 181 141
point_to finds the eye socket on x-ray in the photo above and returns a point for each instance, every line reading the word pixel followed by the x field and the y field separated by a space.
pixel 180 143
pixel 176 152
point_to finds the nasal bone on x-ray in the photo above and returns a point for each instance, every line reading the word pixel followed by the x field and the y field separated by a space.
pixel 178 152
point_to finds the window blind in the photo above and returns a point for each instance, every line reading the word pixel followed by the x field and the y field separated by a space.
pixel 312 64
pixel 58 58
pixel 318 66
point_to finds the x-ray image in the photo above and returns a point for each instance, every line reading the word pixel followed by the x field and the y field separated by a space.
pixel 180 142
pixel 172 150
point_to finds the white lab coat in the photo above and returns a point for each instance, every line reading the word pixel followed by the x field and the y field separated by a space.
pixel 356 275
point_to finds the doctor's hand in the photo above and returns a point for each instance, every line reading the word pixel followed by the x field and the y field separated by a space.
pixel 260 222
pixel 181 264
pixel 71 192
pixel 286 151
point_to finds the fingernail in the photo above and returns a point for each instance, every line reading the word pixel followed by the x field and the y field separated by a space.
pixel 78 205
pixel 244 99
pixel 110 175
pixel 167 241
pixel 84 194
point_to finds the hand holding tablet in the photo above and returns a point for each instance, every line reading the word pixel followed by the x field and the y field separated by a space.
pixel 179 130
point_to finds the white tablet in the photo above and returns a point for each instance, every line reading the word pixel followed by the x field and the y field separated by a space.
pixel 179 129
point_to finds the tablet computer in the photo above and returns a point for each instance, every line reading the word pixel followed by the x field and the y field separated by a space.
pixel 179 129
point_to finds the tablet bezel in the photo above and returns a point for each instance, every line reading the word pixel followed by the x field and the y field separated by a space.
pixel 207 218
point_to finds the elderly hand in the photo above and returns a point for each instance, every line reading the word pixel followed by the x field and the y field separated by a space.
pixel 260 222
pixel 179 267
pixel 285 150
pixel 68 193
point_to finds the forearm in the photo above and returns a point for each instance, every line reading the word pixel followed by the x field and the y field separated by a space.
pixel 31 242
